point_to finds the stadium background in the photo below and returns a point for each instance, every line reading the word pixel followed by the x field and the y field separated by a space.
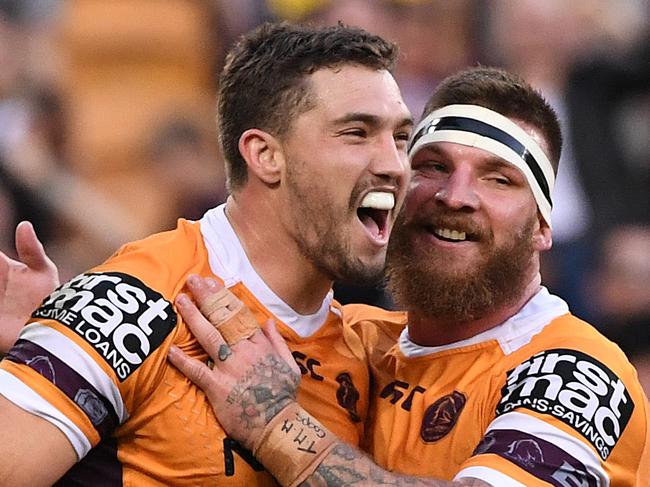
pixel 107 128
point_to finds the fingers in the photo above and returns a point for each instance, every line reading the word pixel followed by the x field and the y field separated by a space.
pixel 203 288
pixel 30 249
pixel 213 299
pixel 223 309
pixel 207 335
pixel 273 335
pixel 193 369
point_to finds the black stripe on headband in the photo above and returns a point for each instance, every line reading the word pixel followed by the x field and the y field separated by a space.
pixel 465 124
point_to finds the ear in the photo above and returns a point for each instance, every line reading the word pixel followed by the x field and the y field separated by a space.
pixel 542 236
pixel 263 155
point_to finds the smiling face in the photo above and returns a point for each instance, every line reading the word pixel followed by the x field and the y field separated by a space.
pixel 467 237
pixel 346 171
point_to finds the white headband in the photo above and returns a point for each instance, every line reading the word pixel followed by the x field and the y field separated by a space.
pixel 486 129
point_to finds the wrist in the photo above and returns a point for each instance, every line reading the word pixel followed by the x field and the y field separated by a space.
pixel 293 444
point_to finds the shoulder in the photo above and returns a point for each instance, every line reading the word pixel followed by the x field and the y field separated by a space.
pixel 568 332
pixel 163 259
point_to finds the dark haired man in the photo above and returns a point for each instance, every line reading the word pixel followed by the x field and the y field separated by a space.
pixel 315 134
pixel 488 380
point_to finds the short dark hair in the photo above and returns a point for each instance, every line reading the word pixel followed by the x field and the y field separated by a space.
pixel 263 84
pixel 505 93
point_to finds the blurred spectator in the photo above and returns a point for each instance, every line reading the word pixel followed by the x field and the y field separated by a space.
pixel 188 170
pixel 609 99
pixel 621 291
pixel 436 37
pixel 7 221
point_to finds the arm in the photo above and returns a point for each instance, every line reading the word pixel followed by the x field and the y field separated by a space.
pixel 250 383
pixel 33 452
pixel 24 283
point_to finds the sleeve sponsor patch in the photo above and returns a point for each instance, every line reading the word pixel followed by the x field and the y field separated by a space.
pixel 576 389
pixel 122 318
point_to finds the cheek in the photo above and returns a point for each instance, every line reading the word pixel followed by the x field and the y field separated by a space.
pixel 420 192
pixel 511 219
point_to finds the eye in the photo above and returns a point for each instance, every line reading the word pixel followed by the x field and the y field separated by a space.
pixel 429 166
pixel 501 180
pixel 498 178
pixel 432 165
pixel 403 136
pixel 355 132
pixel 401 140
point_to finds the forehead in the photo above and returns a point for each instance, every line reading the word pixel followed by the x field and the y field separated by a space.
pixel 357 89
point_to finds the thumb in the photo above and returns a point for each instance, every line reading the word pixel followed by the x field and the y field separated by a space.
pixel 30 249
pixel 193 369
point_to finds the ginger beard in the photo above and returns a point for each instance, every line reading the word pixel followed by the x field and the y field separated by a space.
pixel 427 281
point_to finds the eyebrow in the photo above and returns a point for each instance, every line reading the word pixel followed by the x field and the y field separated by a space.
pixel 370 119
pixel 492 162
pixel 496 162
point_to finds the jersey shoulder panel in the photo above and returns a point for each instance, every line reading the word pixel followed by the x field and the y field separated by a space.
pixel 162 259
pixel 569 409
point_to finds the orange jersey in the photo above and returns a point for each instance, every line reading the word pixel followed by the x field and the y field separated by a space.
pixel 542 399
pixel 93 361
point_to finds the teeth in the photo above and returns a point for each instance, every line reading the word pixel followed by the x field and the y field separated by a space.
pixel 450 234
pixel 379 200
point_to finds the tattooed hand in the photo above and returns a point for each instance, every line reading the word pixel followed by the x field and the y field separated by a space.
pixel 250 382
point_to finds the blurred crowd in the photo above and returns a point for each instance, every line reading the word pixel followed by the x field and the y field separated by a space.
pixel 107 128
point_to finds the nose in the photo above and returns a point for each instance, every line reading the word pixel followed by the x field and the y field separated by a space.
pixel 458 192
pixel 391 160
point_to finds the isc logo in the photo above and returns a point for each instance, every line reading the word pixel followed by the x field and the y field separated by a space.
pixel 575 388
pixel 122 318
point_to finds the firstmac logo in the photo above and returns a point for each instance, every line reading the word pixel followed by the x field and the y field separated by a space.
pixel 575 388
pixel 122 318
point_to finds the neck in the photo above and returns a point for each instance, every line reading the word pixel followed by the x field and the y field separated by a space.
pixel 430 331
pixel 274 254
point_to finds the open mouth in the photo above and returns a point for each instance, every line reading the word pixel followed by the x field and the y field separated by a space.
pixel 373 212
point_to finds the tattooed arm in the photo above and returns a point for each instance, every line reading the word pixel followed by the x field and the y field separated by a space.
pixel 252 382
pixel 346 465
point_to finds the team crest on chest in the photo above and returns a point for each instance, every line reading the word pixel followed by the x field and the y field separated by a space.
pixel 347 395
pixel 441 416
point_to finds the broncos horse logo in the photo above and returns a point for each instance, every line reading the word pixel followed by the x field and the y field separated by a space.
pixel 441 416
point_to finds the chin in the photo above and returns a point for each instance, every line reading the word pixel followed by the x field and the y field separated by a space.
pixel 361 272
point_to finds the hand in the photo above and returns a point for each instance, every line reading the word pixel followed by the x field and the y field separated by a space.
pixel 250 382
pixel 24 283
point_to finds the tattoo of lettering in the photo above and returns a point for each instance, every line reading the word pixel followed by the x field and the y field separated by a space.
pixel 264 390
pixel 347 466
pixel 224 352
